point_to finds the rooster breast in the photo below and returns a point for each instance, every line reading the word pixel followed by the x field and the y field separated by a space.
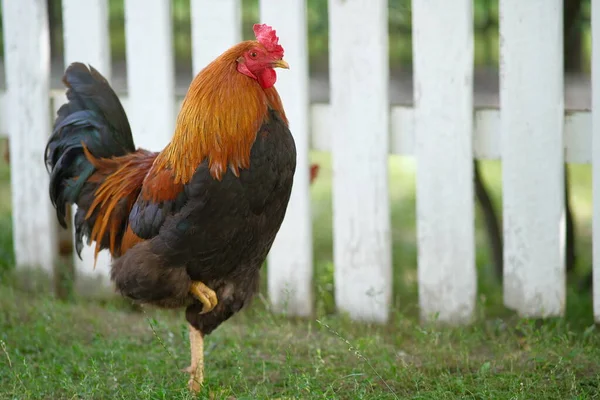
pixel 223 234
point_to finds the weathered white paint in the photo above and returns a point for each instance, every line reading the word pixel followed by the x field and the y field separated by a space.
pixel 443 118
pixel 290 269
pixel 486 135
pixel 216 26
pixel 358 59
pixel 577 137
pixel 532 121
pixel 150 74
pixel 595 20
pixel 87 19
pixel 27 60
pixel 321 126
pixel 402 124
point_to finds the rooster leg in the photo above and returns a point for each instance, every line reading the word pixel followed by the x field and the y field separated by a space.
pixel 196 368
pixel 205 295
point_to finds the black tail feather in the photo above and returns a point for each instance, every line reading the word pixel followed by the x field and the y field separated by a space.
pixel 94 117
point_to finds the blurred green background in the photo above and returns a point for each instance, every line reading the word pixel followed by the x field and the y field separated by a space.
pixel 485 26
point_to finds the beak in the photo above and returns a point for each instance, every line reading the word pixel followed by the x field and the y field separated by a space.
pixel 280 64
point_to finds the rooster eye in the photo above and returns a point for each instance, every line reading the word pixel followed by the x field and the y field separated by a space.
pixel 253 54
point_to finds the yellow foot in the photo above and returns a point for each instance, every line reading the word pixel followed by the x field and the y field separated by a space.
pixel 206 295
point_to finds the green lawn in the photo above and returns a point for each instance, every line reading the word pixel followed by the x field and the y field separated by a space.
pixel 53 350
pixel 83 349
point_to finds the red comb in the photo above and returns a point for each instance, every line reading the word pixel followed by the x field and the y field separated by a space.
pixel 268 38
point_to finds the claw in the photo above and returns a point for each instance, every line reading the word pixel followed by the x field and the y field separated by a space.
pixel 194 385
pixel 205 295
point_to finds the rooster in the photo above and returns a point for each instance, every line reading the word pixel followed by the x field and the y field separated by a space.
pixel 191 225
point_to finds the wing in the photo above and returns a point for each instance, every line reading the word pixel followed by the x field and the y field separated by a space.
pixel 207 224
pixel 221 219
pixel 159 198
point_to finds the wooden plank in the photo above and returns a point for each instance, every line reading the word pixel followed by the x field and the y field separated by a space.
pixel 486 135
pixel 532 153
pixel 595 20
pixel 290 267
pixel 216 26
pixel 150 75
pixel 358 56
pixel 27 60
pixel 85 33
pixel 87 19
pixel 443 82
pixel 403 123
pixel 577 137
pixel 321 126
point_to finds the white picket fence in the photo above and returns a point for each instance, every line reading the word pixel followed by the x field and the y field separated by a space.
pixel 531 135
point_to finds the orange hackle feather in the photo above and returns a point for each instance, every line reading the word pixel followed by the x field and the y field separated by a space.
pixel 219 119
pixel 158 186
pixel 122 179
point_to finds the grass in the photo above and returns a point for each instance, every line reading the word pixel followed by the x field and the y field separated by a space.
pixel 54 350
pixel 90 349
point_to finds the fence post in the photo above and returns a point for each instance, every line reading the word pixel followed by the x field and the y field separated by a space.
pixel 290 269
pixel 88 19
pixel 359 71
pixel 27 60
pixel 150 72
pixel 443 91
pixel 85 32
pixel 532 122
pixel 216 26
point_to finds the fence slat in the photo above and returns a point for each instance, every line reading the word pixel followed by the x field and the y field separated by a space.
pixel 595 20
pixel 150 72
pixel 87 19
pixel 443 82
pixel 27 60
pixel 358 54
pixel 532 121
pixel 290 268
pixel 216 26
